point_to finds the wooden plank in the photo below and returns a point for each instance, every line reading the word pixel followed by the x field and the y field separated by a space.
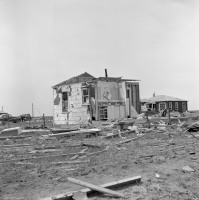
pixel 76 156
pixel 128 140
pixel 17 145
pixel 86 131
pixel 51 156
pixel 15 131
pixel 95 187
pixel 62 130
pixel 192 135
pixel 41 157
pixel 97 152
pixel 117 134
pixel 111 185
pixel 14 137
pixel 91 145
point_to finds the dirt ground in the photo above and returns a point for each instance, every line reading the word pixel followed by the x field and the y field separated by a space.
pixel 159 158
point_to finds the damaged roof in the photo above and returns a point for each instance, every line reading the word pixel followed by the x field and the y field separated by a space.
pixel 117 79
pixel 161 98
pixel 80 78
pixel 86 77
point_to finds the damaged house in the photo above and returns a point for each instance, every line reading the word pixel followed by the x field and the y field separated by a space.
pixel 85 97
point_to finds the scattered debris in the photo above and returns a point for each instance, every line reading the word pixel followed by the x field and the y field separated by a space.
pixel 11 132
pixel 157 175
pixel 95 187
pixel 188 169
pixel 37 156
pixel 112 185
pixel 80 196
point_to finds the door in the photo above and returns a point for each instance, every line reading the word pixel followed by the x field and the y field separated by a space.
pixel 128 105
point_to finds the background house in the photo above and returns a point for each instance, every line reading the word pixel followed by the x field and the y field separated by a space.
pixel 160 102
pixel 85 97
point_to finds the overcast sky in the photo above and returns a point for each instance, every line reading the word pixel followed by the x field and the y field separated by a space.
pixel 44 42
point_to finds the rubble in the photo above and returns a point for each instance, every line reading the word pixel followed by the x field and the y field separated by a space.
pixel 161 153
pixel 11 132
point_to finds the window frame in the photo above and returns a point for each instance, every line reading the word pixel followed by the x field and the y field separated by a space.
pixel 170 105
pixel 64 110
pixel 85 96
pixel 176 106
pixel 164 105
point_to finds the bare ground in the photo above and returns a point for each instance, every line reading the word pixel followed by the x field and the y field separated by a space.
pixel 157 157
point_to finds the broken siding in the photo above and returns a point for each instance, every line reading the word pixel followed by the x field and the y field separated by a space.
pixel 77 112
pixel 108 91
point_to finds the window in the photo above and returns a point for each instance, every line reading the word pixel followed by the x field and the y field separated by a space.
pixel 85 96
pixel 64 101
pixel 127 93
pixel 176 105
pixel 170 105
pixel 162 106
pixel 103 115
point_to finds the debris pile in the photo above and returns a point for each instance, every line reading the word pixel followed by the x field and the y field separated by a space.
pixel 107 160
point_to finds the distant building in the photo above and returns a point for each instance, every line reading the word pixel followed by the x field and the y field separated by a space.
pixel 85 97
pixel 160 102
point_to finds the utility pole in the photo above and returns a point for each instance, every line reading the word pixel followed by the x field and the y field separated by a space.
pixel 32 110
pixel 2 108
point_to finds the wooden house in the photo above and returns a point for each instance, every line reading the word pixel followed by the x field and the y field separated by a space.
pixel 160 102
pixel 85 97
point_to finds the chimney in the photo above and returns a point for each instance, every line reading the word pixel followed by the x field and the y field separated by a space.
pixel 106 75
pixel 154 94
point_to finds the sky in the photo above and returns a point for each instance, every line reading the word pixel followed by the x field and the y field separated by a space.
pixel 44 42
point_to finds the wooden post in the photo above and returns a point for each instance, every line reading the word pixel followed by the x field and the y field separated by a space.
pixel 169 123
pixel 44 120
pixel 147 118
pixel 96 102
pixel 8 121
pixel 89 96
pixel 32 111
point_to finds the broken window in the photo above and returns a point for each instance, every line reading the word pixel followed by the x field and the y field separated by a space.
pixel 170 105
pixel 64 101
pixel 85 96
pixel 176 105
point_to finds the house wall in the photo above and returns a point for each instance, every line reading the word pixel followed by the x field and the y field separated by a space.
pixel 180 109
pixel 112 95
pixel 77 112
pixel 116 112
pixel 109 91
